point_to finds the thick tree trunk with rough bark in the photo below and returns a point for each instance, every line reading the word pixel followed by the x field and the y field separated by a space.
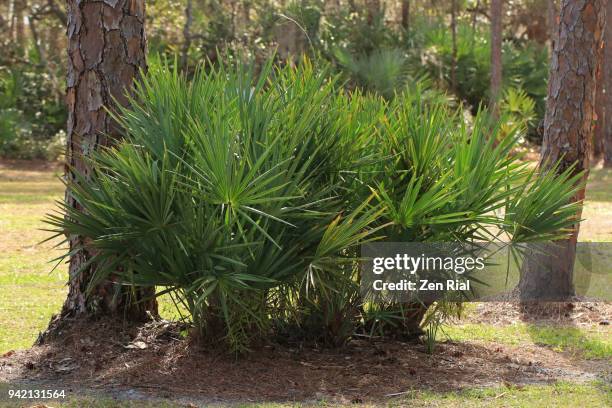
pixel 496 54
pixel 606 78
pixel 567 133
pixel 106 51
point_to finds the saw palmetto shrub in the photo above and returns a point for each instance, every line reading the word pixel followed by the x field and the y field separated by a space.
pixel 245 196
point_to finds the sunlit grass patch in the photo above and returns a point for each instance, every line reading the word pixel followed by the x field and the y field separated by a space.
pixel 590 343
pixel 561 394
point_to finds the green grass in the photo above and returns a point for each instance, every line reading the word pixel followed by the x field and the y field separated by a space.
pixel 587 343
pixel 30 294
pixel 561 394
pixel 555 395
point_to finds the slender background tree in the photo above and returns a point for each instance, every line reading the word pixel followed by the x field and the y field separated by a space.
pixel 551 21
pixel 187 33
pixel 454 45
pixel 496 54
pixel 405 14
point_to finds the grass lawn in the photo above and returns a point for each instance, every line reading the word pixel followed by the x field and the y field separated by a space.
pixel 588 343
pixel 559 395
pixel 30 293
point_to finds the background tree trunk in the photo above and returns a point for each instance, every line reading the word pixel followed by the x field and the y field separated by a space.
pixel 567 132
pixel 187 34
pixel 351 6
pixel 551 20
pixel 373 10
pixel 20 7
pixel 246 12
pixel 496 54
pixel 475 16
pixel 454 45
pixel 600 113
pixel 607 85
pixel 406 15
pixel 106 50
pixel 40 47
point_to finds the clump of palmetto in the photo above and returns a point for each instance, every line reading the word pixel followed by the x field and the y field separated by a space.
pixel 247 195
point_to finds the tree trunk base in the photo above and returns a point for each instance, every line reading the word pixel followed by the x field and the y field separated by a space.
pixel 80 308
pixel 547 272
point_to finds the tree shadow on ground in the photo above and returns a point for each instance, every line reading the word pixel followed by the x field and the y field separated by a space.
pixel 105 355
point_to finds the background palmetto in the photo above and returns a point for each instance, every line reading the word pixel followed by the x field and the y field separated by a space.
pixel 246 195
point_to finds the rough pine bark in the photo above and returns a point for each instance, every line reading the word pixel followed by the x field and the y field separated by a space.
pixel 496 54
pixel 106 51
pixel 567 133
pixel 607 84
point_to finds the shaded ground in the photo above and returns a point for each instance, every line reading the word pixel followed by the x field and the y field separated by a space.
pixel 495 356
pixel 155 361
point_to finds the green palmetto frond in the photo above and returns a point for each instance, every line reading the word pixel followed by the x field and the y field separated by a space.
pixel 246 194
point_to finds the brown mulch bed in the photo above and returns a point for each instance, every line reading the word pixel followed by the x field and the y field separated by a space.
pixel 157 361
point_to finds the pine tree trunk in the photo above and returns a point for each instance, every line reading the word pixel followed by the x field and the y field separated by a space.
pixel 5 17
pixel 475 16
pixel 106 50
pixel 187 34
pixel 40 48
pixel 406 15
pixel 373 10
pixel 454 45
pixel 496 54
pixel 607 84
pixel 352 6
pixel 20 6
pixel 567 132
pixel 551 20
pixel 246 14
